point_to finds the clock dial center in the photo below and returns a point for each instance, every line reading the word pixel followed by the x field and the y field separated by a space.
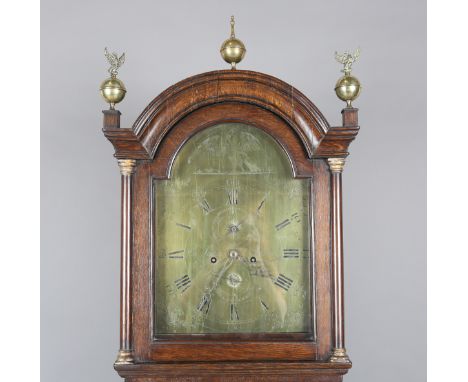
pixel 233 254
pixel 233 228
pixel 234 280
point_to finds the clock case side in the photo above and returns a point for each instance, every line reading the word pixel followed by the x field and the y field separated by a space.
pixel 159 133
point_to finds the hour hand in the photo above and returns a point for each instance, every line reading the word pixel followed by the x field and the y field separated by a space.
pixel 204 305
pixel 214 282
pixel 205 302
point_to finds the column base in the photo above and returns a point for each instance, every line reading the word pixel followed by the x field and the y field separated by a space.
pixel 339 355
pixel 125 357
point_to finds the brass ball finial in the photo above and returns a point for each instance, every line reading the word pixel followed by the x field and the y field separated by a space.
pixel 112 89
pixel 233 50
pixel 348 87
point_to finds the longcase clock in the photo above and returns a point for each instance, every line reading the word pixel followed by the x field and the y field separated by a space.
pixel 232 254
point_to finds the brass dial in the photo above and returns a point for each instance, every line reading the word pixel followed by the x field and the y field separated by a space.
pixel 232 236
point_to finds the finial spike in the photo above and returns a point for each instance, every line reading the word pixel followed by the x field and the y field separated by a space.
pixel 233 22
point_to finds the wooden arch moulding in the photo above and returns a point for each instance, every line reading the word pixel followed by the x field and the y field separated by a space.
pixel 227 112
pixel 262 91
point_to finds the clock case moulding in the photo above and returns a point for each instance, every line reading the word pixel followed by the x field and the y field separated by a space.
pixel 147 151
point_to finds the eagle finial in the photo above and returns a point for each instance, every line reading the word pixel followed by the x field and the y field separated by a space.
pixel 115 61
pixel 347 59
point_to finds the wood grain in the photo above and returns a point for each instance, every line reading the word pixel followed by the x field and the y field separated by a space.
pixel 242 371
pixel 322 258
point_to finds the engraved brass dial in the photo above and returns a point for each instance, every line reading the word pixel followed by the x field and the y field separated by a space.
pixel 232 238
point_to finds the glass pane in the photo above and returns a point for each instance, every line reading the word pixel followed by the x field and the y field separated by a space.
pixel 232 238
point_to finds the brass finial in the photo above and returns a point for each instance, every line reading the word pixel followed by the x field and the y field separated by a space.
pixel 114 61
pixel 112 89
pixel 347 59
pixel 233 23
pixel 233 50
pixel 347 87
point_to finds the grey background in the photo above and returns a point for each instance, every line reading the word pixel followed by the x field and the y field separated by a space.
pixel 384 179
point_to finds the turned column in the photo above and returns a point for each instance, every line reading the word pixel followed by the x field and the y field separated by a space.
pixel 339 351
pixel 127 169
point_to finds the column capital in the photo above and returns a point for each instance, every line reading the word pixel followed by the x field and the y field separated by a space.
pixel 127 166
pixel 339 355
pixel 336 164
pixel 124 357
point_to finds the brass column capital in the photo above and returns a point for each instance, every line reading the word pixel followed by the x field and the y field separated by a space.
pixel 339 355
pixel 336 164
pixel 127 166
pixel 124 357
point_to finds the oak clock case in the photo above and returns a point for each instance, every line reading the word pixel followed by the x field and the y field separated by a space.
pixel 231 234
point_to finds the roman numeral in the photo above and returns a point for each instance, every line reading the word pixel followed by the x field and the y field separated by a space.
pixel 233 196
pixel 283 282
pixel 183 283
pixel 295 217
pixel 290 253
pixel 283 224
pixel 260 206
pixel 176 254
pixel 234 315
pixel 183 226
pixel 204 304
pixel 265 306
pixel 206 206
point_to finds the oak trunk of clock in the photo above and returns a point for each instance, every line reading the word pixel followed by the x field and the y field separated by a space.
pixel 232 255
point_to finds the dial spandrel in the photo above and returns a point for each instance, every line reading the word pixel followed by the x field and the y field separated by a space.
pixel 232 238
